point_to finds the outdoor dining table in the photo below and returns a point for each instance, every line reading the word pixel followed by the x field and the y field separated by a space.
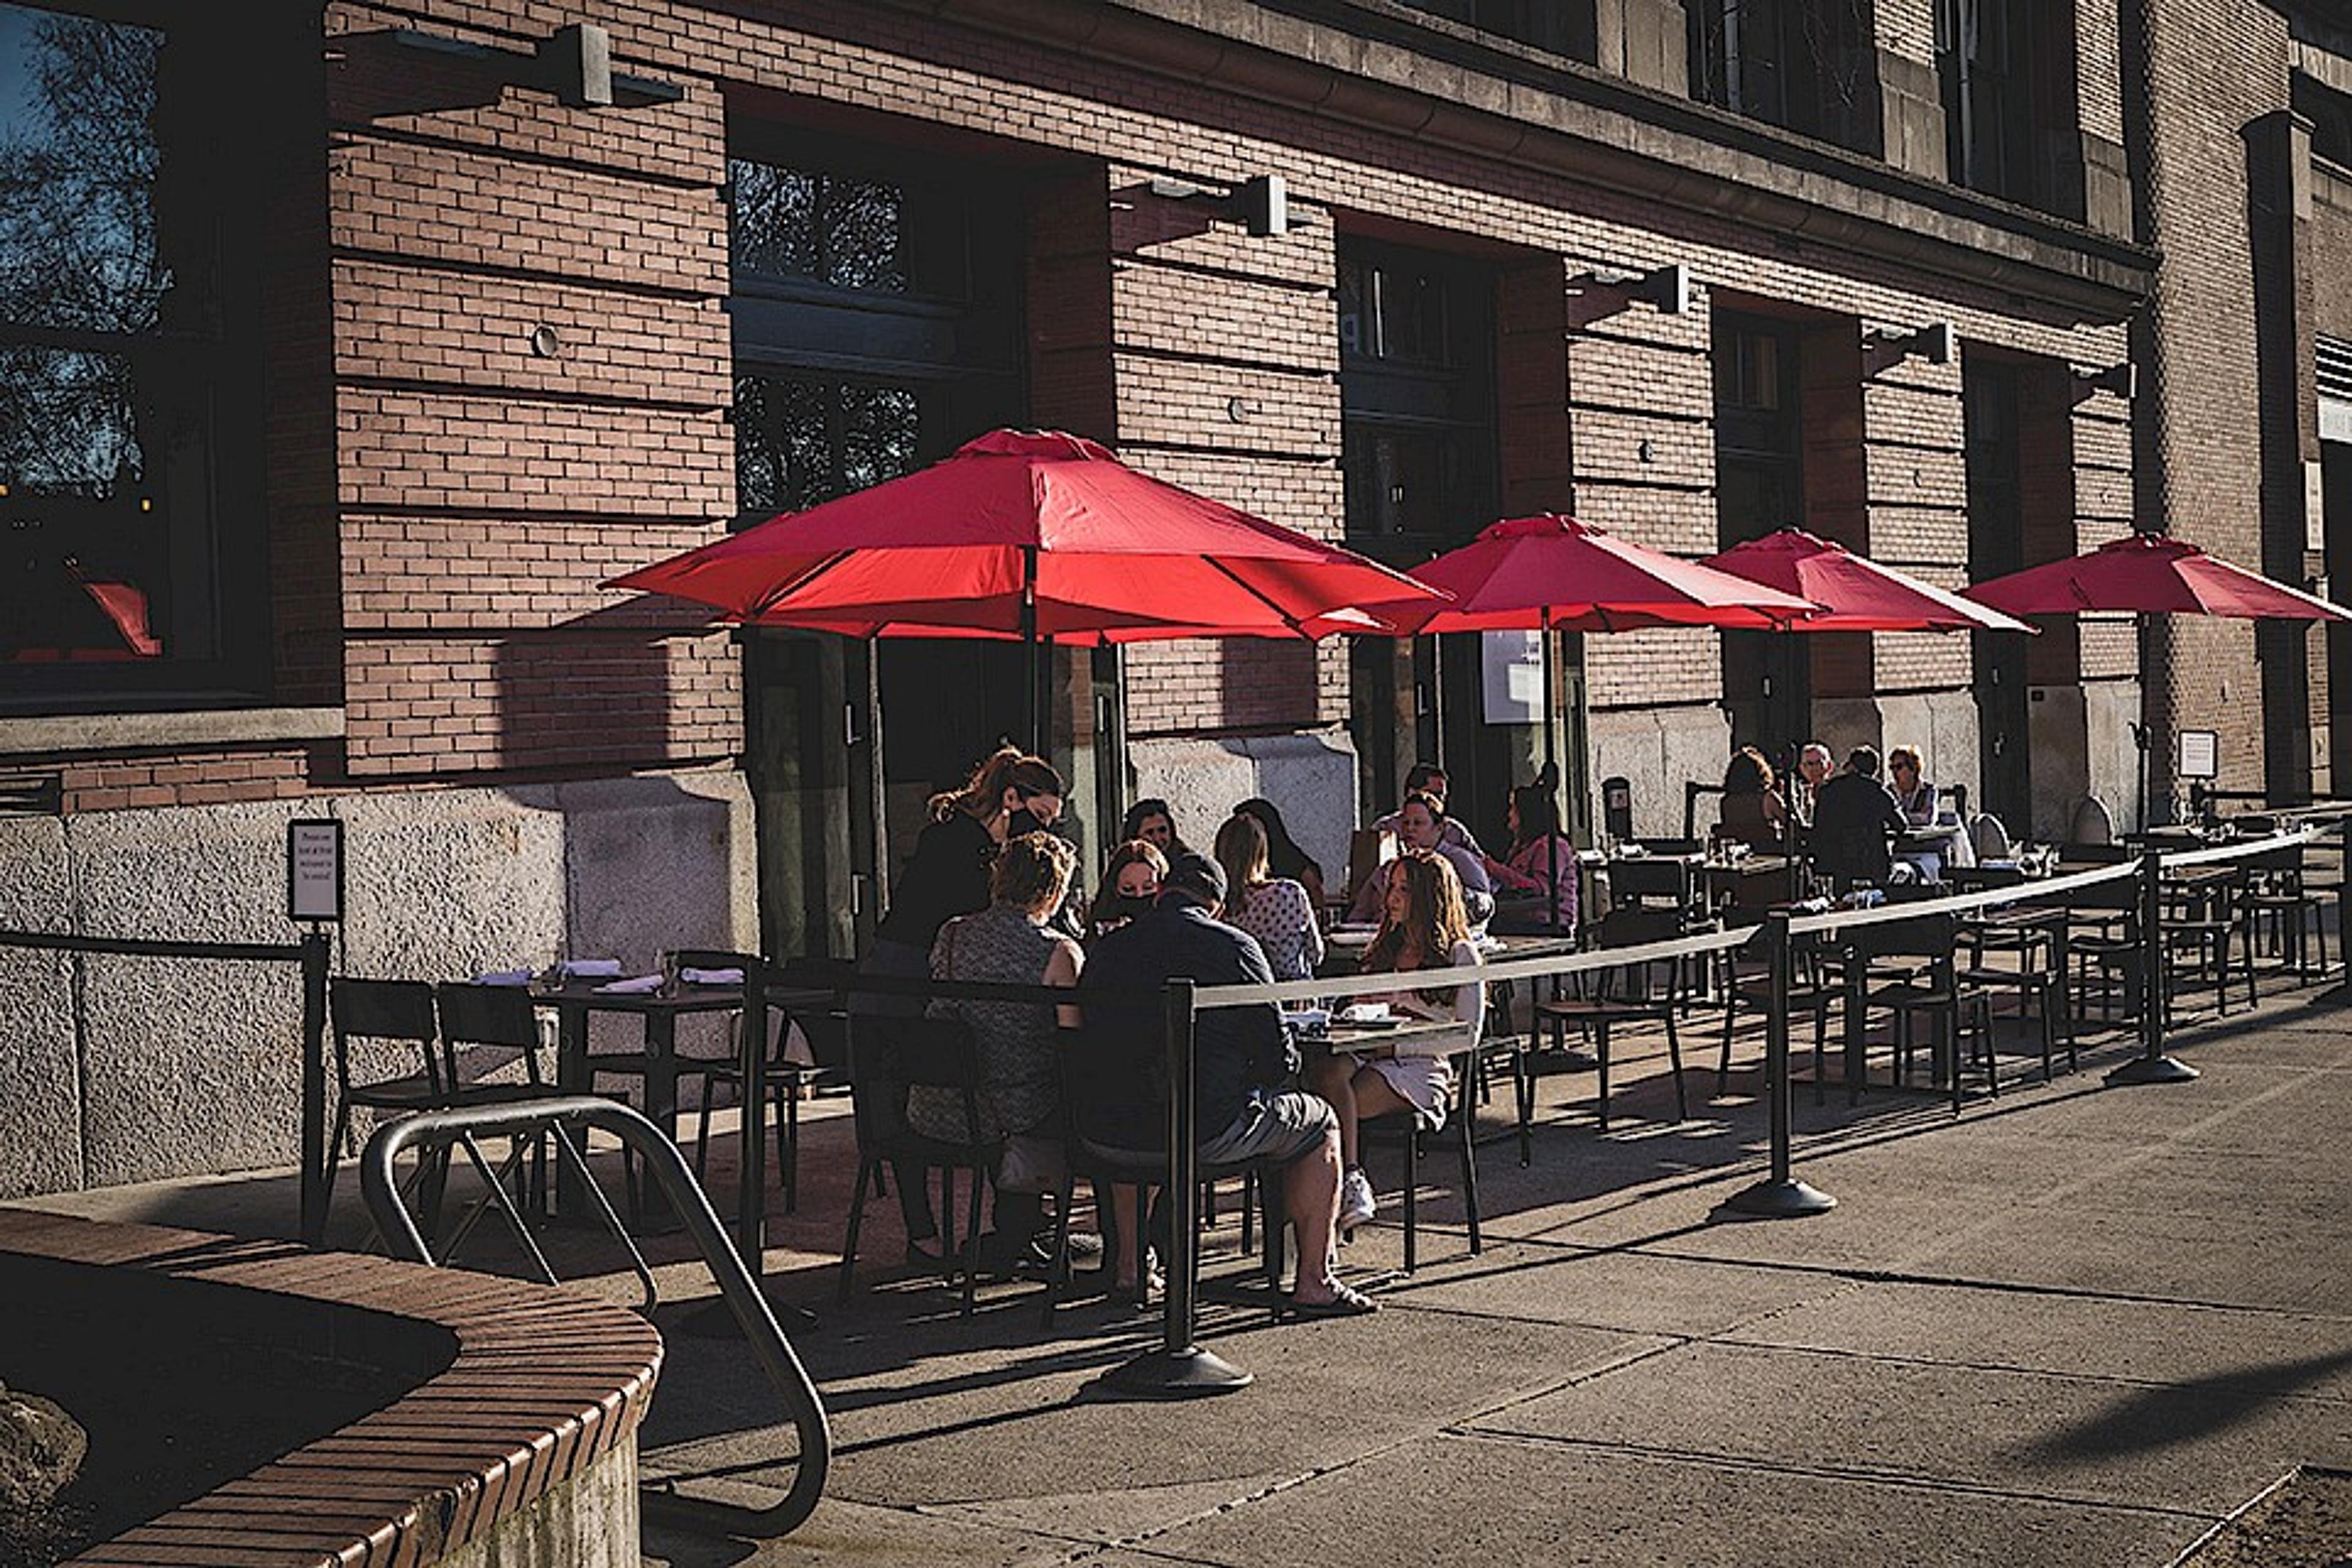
pixel 576 1001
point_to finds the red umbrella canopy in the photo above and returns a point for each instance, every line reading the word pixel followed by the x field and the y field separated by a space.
pixel 2152 573
pixel 1110 555
pixel 1586 579
pixel 1854 592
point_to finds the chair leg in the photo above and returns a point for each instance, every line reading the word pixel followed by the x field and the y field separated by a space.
pixel 1057 1268
pixel 1723 1059
pixel 1601 1051
pixel 1523 1085
pixel 1249 1208
pixel 1412 1185
pixel 1470 1183
pixel 972 1246
pixel 866 1168
pixel 1271 1203
pixel 788 1146
pixel 1675 1057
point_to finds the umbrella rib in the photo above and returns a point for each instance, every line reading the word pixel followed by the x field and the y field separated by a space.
pixel 777 594
pixel 1284 616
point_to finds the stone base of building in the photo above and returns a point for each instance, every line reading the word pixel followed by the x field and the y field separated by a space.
pixel 1311 779
pixel 1940 725
pixel 1657 751
pixel 127 1069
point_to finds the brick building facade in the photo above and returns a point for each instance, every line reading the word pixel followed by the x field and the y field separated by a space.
pixel 469 338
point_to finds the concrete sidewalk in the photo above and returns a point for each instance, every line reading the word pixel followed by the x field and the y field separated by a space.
pixel 2073 1325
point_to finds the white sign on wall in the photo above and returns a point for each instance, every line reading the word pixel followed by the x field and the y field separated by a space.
pixel 1512 663
pixel 314 869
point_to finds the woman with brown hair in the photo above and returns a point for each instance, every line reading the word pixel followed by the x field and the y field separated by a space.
pixel 1274 909
pixel 1752 811
pixel 1423 926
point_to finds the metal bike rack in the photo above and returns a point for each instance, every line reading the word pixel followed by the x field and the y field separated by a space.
pixel 562 1118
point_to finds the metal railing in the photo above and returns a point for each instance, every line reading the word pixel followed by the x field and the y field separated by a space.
pixel 561 1117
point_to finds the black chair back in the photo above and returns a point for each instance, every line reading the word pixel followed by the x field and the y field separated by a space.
pixel 1921 936
pixel 891 1055
pixel 398 1010
pixel 497 1017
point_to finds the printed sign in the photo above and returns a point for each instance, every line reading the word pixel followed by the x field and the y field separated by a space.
pixel 1513 668
pixel 2200 754
pixel 314 869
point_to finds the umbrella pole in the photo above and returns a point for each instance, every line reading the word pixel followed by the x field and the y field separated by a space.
pixel 1034 707
pixel 1552 765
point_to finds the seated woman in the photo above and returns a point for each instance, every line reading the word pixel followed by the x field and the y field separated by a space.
pixel 1130 885
pixel 1542 861
pixel 1753 812
pixel 1930 848
pixel 1153 822
pixel 1283 855
pixel 1274 909
pixel 1018 1098
pixel 1423 927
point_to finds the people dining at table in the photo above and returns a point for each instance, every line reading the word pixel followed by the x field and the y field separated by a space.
pixel 1423 926
pixel 1130 884
pixel 1274 909
pixel 1017 1097
pixel 1752 812
pixel 1284 858
pixel 1244 1063
pixel 1814 767
pixel 1856 820
pixel 1421 824
pixel 1153 821
pixel 1536 885
pixel 1423 778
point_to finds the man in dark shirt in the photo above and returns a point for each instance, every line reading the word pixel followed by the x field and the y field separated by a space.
pixel 1854 816
pixel 1243 1058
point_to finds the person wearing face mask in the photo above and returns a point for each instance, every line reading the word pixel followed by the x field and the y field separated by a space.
pixel 1420 824
pixel 1008 795
pixel 1130 884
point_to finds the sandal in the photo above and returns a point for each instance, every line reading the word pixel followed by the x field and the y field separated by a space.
pixel 1346 1302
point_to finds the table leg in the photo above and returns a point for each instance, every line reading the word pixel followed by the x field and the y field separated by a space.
pixel 1857 1053
pixel 661 1092
pixel 572 1077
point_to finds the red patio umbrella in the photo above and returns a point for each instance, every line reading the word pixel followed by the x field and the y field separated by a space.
pixel 2151 574
pixel 1854 594
pixel 1552 573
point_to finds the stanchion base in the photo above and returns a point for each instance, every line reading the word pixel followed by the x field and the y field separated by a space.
pixel 1780 1200
pixel 1189 1374
pixel 2151 1070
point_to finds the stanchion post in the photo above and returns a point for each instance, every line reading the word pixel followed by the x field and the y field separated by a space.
pixel 751 1172
pixel 314 1087
pixel 2151 1065
pixel 1180 1369
pixel 1780 1195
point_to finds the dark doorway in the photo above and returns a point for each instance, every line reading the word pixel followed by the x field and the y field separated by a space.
pixel 1417 394
pixel 1990 402
pixel 1759 486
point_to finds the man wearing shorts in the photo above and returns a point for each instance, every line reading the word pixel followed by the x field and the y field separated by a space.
pixel 1244 1060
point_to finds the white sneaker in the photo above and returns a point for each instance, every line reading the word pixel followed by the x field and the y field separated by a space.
pixel 1356 1201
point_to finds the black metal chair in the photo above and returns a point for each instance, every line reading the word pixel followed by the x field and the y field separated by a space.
pixel 1924 983
pixel 1748 982
pixel 1412 1126
pixel 2033 974
pixel 487 1031
pixel 1642 1001
pixel 2279 905
pixel 392 1012
pixel 888 1056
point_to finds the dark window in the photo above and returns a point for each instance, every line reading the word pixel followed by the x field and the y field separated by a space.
pixel 2330 113
pixel 2005 70
pixel 113 331
pixel 1416 365
pixel 1801 64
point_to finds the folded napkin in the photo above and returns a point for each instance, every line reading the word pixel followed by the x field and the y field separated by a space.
pixel 1364 1013
pixel 590 968
pixel 636 986
pixel 504 977
pixel 711 976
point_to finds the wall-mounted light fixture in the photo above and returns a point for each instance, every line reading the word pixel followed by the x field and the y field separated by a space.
pixel 1936 343
pixel 2123 380
pixel 1666 288
pixel 1260 204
